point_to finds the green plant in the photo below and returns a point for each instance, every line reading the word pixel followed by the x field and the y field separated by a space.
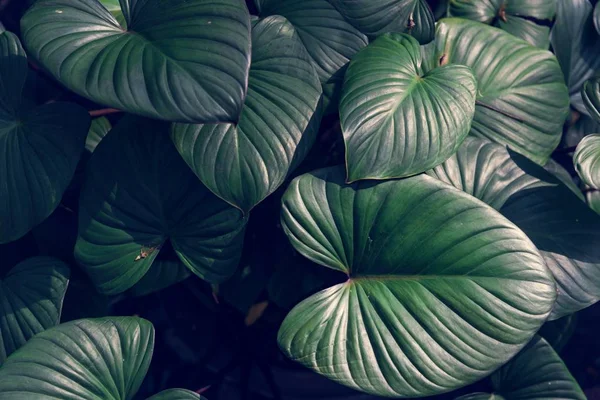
pixel 408 206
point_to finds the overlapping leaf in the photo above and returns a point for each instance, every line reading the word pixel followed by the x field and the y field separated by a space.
pixel 398 120
pixel 522 100
pixel 537 372
pixel 32 296
pixel 176 394
pixel 160 275
pixel 177 60
pixel 591 97
pixel 597 17
pixel 522 18
pixel 329 39
pixel 440 289
pixel 40 147
pixel 558 222
pixel 139 193
pixel 243 163
pixel 576 45
pixel 375 17
pixel 587 160
pixel 100 127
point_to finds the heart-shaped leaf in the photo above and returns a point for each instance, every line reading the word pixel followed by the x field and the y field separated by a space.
pixel 375 17
pixel 329 39
pixel 591 97
pixel 243 163
pixel 440 289
pixel 176 394
pixel 576 45
pixel 556 220
pixel 160 275
pixel 587 160
pixel 522 100
pixel 32 296
pixel 398 120
pixel 40 147
pixel 139 193
pixel 522 18
pixel 177 60
pixel 536 373
pixel 100 127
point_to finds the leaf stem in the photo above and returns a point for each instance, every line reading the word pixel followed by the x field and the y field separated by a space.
pixel 104 111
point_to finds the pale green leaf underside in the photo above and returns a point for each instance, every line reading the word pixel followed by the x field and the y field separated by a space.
pixel 31 298
pixel 510 16
pixel 244 163
pixel 587 160
pixel 522 100
pixel 139 193
pixel 397 120
pixel 89 359
pixel 427 307
pixel 591 97
pixel 39 147
pixel 375 17
pixel 557 221
pixel 536 373
pixel 184 62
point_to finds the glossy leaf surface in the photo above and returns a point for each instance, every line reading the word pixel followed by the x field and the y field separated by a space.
pixel 591 97
pixel 587 160
pixel 556 220
pixel 40 146
pixel 441 289
pixel 398 120
pixel 522 100
pixel 177 60
pixel 139 193
pixel 511 16
pixel 575 43
pixel 375 17
pixel 31 295
pixel 537 372
pixel 244 163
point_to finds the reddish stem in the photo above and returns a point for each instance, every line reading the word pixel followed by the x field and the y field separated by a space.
pixel 104 111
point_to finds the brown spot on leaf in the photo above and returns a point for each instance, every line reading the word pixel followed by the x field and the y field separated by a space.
pixel 443 60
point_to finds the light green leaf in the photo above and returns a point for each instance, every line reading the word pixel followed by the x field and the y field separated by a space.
pixel 439 291
pixel 182 61
pixel 138 194
pixel 576 45
pixel 398 120
pixel 244 163
pixel 512 16
pixel 88 359
pixel 587 160
pixel 556 220
pixel 522 100
pixel 40 147
pixel 593 200
pixel 537 372
pixel 591 97
pixel 375 17
pixel 176 394
pixel 31 295
pixel 160 275
pixel 100 127
pixel 329 39
pixel 114 7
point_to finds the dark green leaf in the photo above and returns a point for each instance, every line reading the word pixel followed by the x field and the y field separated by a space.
pixel 578 129
pixel 40 147
pixel 114 7
pixel 398 120
pixel 593 200
pixel 138 194
pixel 537 372
pixel 576 45
pixel 587 160
pixel 558 332
pixel 88 359
pixel 597 17
pixel 591 97
pixel 440 289
pixel 32 296
pixel 244 163
pixel 522 100
pixel 100 127
pixel 375 17
pixel 178 60
pixel 176 394
pixel 160 275
pixel 511 16
pixel 556 220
